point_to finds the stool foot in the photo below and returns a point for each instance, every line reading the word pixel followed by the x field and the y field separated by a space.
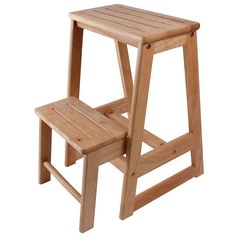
pixel 89 189
pixel 45 136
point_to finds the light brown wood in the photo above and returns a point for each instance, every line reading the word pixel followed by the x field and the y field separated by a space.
pixel 45 137
pixel 71 155
pixel 119 163
pixel 165 186
pixel 125 71
pixel 170 43
pixel 165 153
pixel 89 189
pixel 148 138
pixel 81 126
pixel 131 25
pixel 110 152
pixel 193 99
pixel 136 127
pixel 63 181
pixel 120 106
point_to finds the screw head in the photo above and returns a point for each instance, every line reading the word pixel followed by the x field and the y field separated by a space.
pixel 148 46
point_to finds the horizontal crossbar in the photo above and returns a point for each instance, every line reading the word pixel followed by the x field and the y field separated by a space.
pixel 170 43
pixel 165 153
pixel 163 187
pixel 63 181
pixel 121 106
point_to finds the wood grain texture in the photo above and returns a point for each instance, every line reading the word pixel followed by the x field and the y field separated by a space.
pixel 120 106
pixel 131 25
pixel 62 181
pixel 171 43
pixel 165 186
pixel 136 127
pixel 148 137
pixel 45 140
pixel 165 153
pixel 73 88
pixel 81 126
pixel 125 71
pixel 89 190
pixel 193 100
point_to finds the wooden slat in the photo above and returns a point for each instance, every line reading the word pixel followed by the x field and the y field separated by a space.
pixel 119 163
pixel 144 19
pixel 170 43
pixel 83 127
pixel 193 100
pixel 154 15
pixel 149 138
pixel 125 71
pixel 165 153
pixel 63 181
pixel 119 106
pixel 112 17
pixel 73 88
pixel 100 120
pixel 136 127
pixel 120 32
pixel 45 141
pixel 164 187
pixel 131 25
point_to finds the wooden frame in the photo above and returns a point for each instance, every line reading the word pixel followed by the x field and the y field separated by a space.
pixel 106 137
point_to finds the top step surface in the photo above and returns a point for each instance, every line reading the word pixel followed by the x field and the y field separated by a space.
pixel 132 25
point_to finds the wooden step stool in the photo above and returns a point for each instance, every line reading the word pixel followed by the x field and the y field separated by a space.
pixel 102 134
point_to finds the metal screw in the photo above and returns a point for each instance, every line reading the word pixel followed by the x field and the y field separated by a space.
pixel 148 46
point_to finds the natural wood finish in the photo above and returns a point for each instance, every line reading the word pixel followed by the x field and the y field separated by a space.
pixel 45 137
pixel 165 153
pixel 125 71
pixel 131 25
pixel 148 137
pixel 119 163
pixel 81 126
pixel 74 71
pixel 63 181
pixel 170 43
pixel 165 186
pixel 120 106
pixel 89 189
pixel 136 127
pixel 110 152
pixel 193 99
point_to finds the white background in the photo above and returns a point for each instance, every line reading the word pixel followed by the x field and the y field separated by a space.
pixel 34 43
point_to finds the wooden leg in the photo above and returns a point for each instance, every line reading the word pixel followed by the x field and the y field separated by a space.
pixel 136 128
pixel 89 189
pixel 193 98
pixel 71 155
pixel 45 137
pixel 125 71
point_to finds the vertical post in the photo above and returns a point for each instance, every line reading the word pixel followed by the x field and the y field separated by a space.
pixel 89 189
pixel 45 137
pixel 193 100
pixel 125 71
pixel 136 127
pixel 71 155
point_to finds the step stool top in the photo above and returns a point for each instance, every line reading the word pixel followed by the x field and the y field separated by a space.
pixel 81 126
pixel 132 25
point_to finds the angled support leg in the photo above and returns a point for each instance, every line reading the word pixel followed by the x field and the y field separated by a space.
pixel 193 100
pixel 89 189
pixel 125 71
pixel 71 155
pixel 136 127
pixel 45 137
